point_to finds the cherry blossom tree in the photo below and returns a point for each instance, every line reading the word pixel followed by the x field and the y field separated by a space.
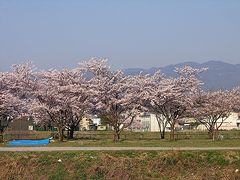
pixel 22 80
pixel 63 97
pixel 80 104
pixel 11 106
pixel 236 99
pixel 136 125
pixel 116 95
pixel 211 109
pixel 169 98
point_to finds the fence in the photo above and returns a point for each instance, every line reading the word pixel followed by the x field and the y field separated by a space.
pixel 126 135
pixel 180 135
pixel 10 135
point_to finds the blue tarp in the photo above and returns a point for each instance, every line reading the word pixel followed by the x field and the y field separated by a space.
pixel 29 142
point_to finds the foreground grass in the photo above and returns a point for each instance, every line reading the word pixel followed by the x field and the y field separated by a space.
pixel 120 165
pixel 151 143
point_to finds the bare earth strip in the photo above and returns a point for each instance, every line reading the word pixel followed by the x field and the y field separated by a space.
pixel 18 149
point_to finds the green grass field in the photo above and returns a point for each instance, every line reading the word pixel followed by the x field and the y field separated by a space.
pixel 152 143
pixel 132 135
pixel 120 165
pixel 105 138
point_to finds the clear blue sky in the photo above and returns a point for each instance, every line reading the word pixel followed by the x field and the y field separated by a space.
pixel 131 33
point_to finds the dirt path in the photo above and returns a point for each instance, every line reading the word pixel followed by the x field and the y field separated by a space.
pixel 15 149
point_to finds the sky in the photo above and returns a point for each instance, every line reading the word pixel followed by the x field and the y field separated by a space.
pixel 130 33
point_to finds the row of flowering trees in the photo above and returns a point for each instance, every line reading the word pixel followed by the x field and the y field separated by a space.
pixel 63 97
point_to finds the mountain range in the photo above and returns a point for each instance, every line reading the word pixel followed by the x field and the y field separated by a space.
pixel 220 75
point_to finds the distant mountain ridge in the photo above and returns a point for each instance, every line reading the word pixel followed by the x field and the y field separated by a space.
pixel 220 75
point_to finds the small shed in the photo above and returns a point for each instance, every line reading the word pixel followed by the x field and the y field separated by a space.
pixel 21 124
pixel 21 128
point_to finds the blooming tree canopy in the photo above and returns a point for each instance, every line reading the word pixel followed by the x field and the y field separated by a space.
pixel 169 98
pixel 11 105
pixel 116 95
pixel 211 109
pixel 62 98
pixel 236 99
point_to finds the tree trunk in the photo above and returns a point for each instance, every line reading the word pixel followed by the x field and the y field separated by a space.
pixel 213 134
pixel 162 127
pixel 1 136
pixel 210 134
pixel 162 134
pixel 172 133
pixel 61 133
pixel 68 133
pixel 117 136
pixel 71 132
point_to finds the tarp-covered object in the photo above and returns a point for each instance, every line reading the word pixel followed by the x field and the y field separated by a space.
pixel 29 142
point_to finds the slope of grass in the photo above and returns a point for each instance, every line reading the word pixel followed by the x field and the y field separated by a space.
pixel 120 165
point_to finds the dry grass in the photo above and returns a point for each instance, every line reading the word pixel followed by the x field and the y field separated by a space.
pixel 120 165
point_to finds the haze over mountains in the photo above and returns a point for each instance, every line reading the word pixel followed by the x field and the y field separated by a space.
pixel 220 75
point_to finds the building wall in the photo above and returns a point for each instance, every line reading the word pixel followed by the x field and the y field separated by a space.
pixel 150 121
pixel 232 122
pixel 154 123
pixel 22 124
pixel 85 124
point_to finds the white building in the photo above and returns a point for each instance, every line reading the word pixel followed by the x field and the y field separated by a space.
pixel 96 120
pixel 149 123
pixel 84 124
pixel 232 122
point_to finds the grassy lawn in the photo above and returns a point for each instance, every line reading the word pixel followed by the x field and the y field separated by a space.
pixel 105 138
pixel 186 139
pixel 152 143
pixel 154 135
pixel 120 165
